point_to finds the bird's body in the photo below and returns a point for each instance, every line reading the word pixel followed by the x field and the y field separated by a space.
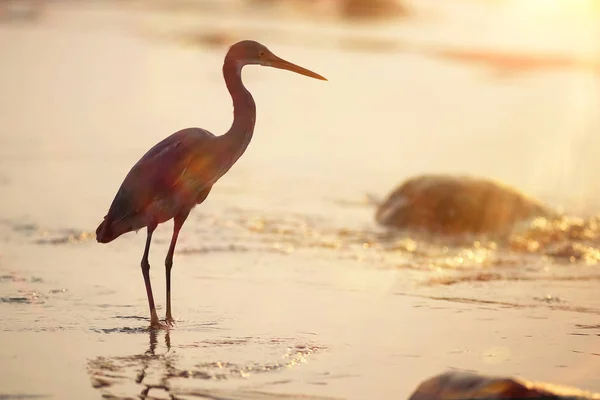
pixel 178 173
pixel 169 179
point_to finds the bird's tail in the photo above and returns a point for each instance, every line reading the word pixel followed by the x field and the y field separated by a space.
pixel 108 230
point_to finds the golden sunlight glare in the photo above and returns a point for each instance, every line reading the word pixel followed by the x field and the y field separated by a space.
pixel 579 7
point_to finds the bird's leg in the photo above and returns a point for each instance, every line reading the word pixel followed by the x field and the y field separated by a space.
pixel 154 322
pixel 178 223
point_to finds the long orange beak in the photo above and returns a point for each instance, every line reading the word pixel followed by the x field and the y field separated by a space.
pixel 280 63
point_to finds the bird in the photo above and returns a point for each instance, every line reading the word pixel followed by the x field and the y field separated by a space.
pixel 178 173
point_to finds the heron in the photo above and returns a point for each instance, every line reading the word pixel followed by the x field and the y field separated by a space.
pixel 179 172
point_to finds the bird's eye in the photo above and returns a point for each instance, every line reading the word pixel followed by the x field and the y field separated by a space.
pixel 261 54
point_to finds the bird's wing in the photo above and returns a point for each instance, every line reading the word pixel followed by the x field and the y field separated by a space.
pixel 158 171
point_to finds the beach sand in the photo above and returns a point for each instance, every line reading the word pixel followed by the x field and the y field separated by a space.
pixel 280 285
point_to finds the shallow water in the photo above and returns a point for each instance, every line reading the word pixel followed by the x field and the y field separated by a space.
pixel 282 281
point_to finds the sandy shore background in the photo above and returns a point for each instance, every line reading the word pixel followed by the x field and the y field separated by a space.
pixel 280 283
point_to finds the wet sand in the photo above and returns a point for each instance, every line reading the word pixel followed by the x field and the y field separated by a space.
pixel 282 283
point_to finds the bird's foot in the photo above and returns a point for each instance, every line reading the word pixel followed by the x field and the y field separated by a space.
pixel 156 324
pixel 159 326
pixel 169 320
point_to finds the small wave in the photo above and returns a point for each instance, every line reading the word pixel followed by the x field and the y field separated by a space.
pixel 66 236
pixel 507 304
pixel 564 240
pixel 25 297
pixel 227 248
pixel 568 238
pixel 136 317
pixel 11 277
pixel 47 235
pixel 15 300
pixel 124 329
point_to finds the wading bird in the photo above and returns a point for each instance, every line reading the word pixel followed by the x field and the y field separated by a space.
pixel 178 173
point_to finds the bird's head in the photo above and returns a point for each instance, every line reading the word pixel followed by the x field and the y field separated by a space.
pixel 249 52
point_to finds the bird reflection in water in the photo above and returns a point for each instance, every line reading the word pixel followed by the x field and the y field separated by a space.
pixel 162 371
pixel 149 356
pixel 151 369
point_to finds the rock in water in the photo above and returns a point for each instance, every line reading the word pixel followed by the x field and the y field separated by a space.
pixel 450 205
pixel 463 385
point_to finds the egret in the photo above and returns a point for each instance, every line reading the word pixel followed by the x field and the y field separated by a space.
pixel 178 173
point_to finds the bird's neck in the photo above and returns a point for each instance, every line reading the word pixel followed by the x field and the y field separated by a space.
pixel 238 137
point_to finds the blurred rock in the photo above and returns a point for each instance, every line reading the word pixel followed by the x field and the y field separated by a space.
pixel 345 9
pixel 464 385
pixel 370 9
pixel 21 10
pixel 215 39
pixel 449 205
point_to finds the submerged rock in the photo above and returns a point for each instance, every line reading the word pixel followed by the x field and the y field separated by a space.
pixel 444 204
pixel 464 385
